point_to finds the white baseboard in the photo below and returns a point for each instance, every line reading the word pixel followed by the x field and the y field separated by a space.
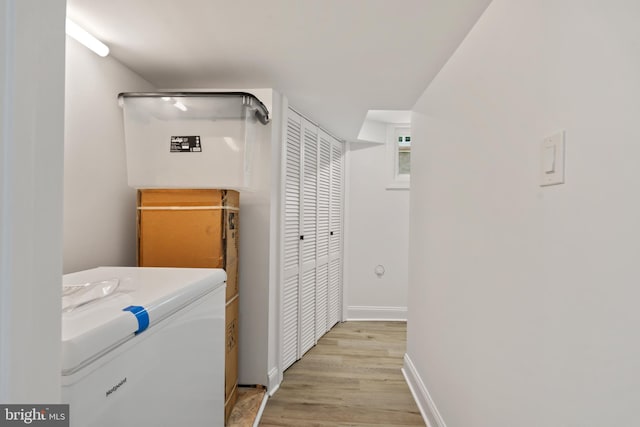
pixel 421 395
pixel 377 313
pixel 274 381
pixel 256 422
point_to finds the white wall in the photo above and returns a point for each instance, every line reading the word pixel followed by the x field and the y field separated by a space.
pixel 99 206
pixel 523 300
pixel 373 131
pixel 255 259
pixel 377 222
pixel 31 162
pixel 278 108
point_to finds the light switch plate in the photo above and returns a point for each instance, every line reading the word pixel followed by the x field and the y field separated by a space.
pixel 552 160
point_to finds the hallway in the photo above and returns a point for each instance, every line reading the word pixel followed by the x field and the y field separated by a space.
pixel 351 377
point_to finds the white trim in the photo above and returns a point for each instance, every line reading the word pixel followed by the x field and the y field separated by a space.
pixel 421 395
pixel 376 313
pixel 271 392
pixel 274 381
pixel 399 185
pixel 256 422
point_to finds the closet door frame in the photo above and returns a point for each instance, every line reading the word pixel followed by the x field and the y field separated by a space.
pixel 289 274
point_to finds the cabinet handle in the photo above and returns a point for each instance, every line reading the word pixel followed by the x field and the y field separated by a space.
pixel 331 233
pixel 301 237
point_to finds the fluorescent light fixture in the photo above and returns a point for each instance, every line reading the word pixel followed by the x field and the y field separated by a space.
pixel 78 33
pixel 180 106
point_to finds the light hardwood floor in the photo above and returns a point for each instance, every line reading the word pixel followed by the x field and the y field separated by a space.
pixel 351 377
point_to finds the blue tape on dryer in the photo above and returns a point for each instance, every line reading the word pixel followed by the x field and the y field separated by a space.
pixel 141 314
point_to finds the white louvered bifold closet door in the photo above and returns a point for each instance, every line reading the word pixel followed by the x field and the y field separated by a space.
pixel 291 240
pixel 312 236
pixel 323 210
pixel 309 237
pixel 335 234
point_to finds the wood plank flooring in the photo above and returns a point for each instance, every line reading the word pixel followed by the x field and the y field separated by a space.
pixel 351 377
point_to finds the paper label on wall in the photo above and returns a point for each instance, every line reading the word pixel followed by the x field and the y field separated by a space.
pixel 185 144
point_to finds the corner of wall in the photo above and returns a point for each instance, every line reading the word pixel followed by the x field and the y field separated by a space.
pixel 274 381
pixel 279 105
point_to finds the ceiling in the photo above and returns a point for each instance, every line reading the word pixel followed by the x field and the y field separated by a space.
pixel 333 59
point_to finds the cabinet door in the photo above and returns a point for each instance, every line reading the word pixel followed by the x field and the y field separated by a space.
pixel 291 240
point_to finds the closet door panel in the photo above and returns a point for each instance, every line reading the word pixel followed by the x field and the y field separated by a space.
pixel 324 196
pixel 309 232
pixel 309 195
pixel 293 170
pixel 335 290
pixel 322 300
pixel 307 311
pixel 291 241
pixel 335 243
pixel 290 321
